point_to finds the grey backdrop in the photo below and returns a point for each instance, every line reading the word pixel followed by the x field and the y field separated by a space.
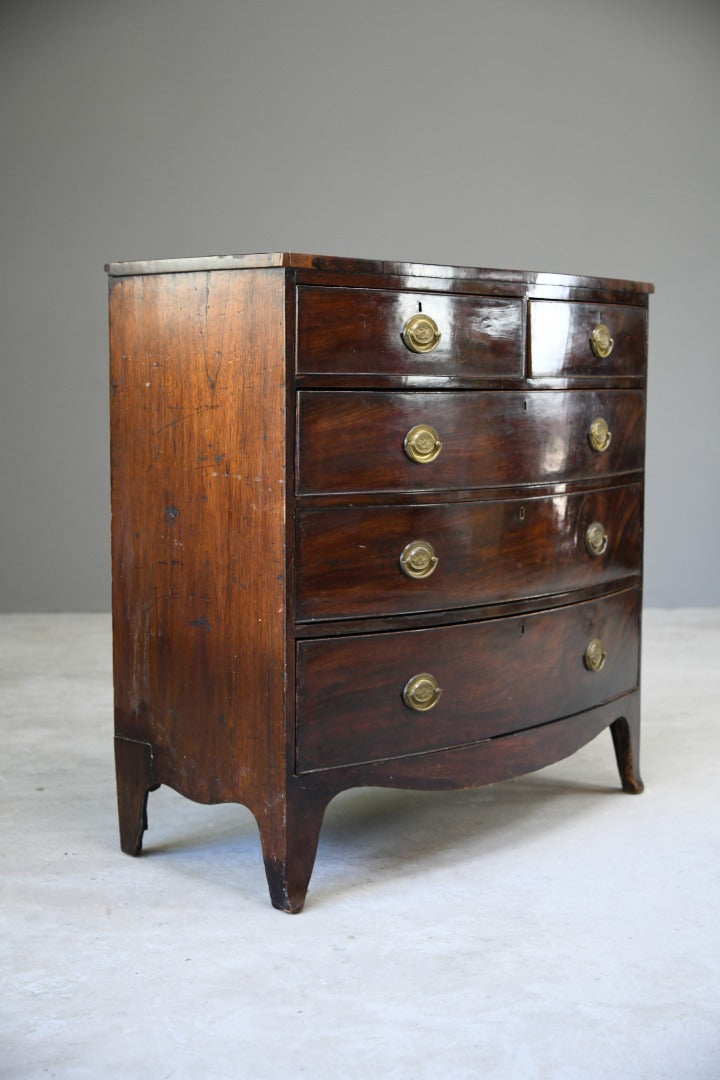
pixel 576 136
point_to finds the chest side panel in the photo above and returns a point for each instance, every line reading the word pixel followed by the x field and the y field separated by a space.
pixel 198 528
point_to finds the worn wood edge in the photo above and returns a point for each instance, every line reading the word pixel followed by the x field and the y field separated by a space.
pixel 203 262
pixel 301 261
pixel 136 778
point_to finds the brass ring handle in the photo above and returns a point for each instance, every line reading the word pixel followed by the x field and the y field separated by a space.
pixel 600 341
pixel 418 559
pixel 421 692
pixel 596 538
pixel 421 334
pixel 599 434
pixel 595 655
pixel 422 444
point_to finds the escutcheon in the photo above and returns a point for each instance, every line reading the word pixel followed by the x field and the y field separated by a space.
pixel 600 341
pixel 421 692
pixel 421 334
pixel 418 559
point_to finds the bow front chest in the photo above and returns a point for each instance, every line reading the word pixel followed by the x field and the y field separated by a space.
pixel 372 524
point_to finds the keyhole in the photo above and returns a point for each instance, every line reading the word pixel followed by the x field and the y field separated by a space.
pixel 419 305
pixel 522 513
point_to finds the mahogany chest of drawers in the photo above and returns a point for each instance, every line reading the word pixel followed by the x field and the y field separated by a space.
pixel 373 524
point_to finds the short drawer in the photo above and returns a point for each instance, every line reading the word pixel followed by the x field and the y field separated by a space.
pixel 569 339
pixel 377 331
pixel 381 696
pixel 388 560
pixel 367 441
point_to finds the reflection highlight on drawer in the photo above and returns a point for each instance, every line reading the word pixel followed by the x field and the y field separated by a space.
pixel 358 697
pixel 358 440
pixel 599 340
pixel 371 331
pixel 366 561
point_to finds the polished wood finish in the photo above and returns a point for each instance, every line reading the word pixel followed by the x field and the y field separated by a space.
pixel 351 442
pixel 360 331
pixel 348 559
pixel 383 269
pixel 560 339
pixel 264 631
pixel 350 688
pixel 489 760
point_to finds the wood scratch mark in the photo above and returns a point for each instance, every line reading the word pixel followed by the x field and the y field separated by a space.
pixel 183 418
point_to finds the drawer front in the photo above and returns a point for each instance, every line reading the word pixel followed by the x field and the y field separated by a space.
pixel 359 331
pixel 586 339
pixel 358 441
pixel 381 560
pixel 491 675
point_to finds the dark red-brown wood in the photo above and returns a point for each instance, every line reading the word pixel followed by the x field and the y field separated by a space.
pixel 490 760
pixel 560 335
pixel 496 677
pixel 625 733
pixel 348 559
pixel 350 441
pixel 135 774
pixel 198 502
pixel 263 630
pixel 339 270
pixel 360 331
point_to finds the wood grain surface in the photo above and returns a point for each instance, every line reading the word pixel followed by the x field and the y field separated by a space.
pixel 360 330
pixel 560 334
pixel 198 527
pixel 349 441
pixel 348 559
pixel 496 677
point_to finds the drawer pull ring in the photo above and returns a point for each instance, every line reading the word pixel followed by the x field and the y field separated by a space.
pixel 418 559
pixel 421 692
pixel 421 334
pixel 595 655
pixel 596 539
pixel 422 444
pixel 599 435
pixel 600 341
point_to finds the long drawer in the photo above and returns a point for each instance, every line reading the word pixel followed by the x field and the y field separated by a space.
pixel 364 441
pixel 387 560
pixel 379 696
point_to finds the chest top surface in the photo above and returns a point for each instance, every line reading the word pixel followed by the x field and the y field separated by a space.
pixel 337 264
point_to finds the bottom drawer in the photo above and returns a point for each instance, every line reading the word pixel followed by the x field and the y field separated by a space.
pixel 378 696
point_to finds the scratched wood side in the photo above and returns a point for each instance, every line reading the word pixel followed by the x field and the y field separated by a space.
pixel 198 532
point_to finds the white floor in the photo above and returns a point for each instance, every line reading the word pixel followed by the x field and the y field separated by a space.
pixel 549 928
